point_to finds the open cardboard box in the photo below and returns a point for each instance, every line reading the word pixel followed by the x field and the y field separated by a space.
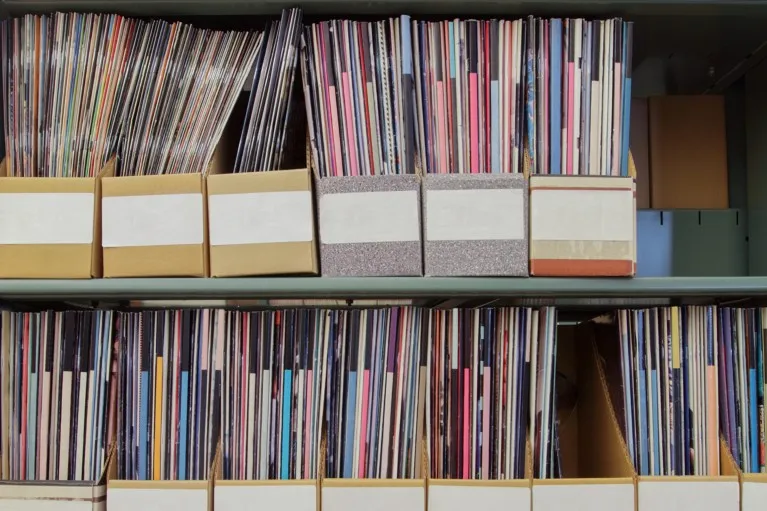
pixel 583 226
pixel 475 225
pixel 374 494
pixel 157 226
pixel 262 223
pixel 596 468
pixel 56 495
pixel 370 226
pixel 125 495
pixel 50 227
pixel 266 495
pixel 662 493
pixel 485 495
pixel 753 491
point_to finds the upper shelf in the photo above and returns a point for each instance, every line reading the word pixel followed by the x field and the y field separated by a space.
pixel 382 287
pixel 351 7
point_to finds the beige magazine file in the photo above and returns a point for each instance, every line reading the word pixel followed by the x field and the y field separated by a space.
pixel 50 227
pixel 596 468
pixel 583 226
pixel 265 495
pixel 374 494
pixel 56 495
pixel 753 490
pixel 484 495
pixel 262 223
pixel 157 226
pixel 128 495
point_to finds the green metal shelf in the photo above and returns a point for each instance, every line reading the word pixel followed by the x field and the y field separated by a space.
pixel 382 287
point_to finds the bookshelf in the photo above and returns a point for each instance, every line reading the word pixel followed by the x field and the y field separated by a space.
pixel 382 287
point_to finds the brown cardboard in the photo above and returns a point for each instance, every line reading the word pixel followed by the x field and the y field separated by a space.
pixel 183 260
pixel 54 260
pixel 639 134
pixel 597 471
pixel 236 258
pixel 688 152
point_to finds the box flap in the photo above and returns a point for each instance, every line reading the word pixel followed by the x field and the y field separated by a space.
pixel 152 185
pixel 688 494
pixel 373 495
pixel 251 182
pixel 288 495
pixel 584 495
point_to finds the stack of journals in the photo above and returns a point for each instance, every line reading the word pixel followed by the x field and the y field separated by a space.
pixel 359 104
pixel 57 407
pixel 154 213
pixel 469 120
pixel 62 98
pixel 262 223
pixel 578 104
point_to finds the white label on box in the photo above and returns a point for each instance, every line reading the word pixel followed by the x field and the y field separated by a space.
pixel 754 496
pixel 269 217
pixel 588 215
pixel 583 497
pixel 157 499
pixel 484 498
pixel 689 495
pixel 369 217
pixel 292 497
pixel 475 215
pixel 373 498
pixel 152 220
pixel 46 218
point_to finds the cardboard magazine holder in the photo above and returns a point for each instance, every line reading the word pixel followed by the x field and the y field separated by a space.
pixel 129 495
pixel 373 494
pixel 266 495
pixel 262 223
pixel 50 227
pixel 583 226
pixel 485 495
pixel 753 491
pixel 596 468
pixel 475 225
pixel 662 493
pixel 370 226
pixel 156 226
pixel 56 495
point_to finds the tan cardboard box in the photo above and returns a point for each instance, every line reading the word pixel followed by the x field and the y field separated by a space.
pixel 261 223
pixel 51 227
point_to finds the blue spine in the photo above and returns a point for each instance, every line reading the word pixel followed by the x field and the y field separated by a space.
pixel 655 423
pixel 351 408
pixel 555 151
pixel 286 405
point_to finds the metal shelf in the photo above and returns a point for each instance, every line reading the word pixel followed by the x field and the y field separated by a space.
pixel 383 287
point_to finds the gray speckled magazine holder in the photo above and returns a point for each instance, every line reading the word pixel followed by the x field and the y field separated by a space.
pixel 364 235
pixel 480 230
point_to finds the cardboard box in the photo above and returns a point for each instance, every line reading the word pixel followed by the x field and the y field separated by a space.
pixel 157 226
pixel 582 226
pixel 597 471
pixel 370 226
pixel 688 152
pixel 753 491
pixel 373 494
pixel 53 495
pixel 261 223
pixel 475 225
pixel 460 495
pixel 293 495
pixel 50 227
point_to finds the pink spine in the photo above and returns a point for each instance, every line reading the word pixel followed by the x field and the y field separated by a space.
pixel 486 426
pixel 351 146
pixel 617 104
pixel 442 127
pixel 466 414
pixel 474 125
pixel 570 115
